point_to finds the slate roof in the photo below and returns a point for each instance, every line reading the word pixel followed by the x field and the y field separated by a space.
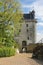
pixel 31 15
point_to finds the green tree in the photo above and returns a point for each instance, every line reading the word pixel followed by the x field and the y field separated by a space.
pixel 10 17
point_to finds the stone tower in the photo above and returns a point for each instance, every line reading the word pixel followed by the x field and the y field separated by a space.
pixel 27 33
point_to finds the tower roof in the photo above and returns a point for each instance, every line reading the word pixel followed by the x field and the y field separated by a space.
pixel 30 15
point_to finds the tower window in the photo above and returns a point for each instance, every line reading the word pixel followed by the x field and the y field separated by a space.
pixel 26 25
pixel 27 30
pixel 28 38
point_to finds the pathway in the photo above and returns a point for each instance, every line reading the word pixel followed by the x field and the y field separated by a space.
pixel 20 59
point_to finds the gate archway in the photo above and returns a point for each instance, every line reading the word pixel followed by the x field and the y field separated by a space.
pixel 24 46
pixel 24 43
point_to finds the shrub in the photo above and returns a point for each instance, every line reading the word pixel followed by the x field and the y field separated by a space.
pixel 6 51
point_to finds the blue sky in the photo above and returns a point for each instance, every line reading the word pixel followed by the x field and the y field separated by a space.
pixel 37 5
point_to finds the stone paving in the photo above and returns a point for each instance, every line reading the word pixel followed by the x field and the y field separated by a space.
pixel 20 59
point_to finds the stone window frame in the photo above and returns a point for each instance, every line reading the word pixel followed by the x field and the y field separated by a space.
pixel 28 37
pixel 26 25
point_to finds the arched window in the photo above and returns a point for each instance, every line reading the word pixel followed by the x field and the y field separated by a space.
pixel 24 43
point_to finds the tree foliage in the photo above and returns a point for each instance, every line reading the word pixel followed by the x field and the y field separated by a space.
pixel 10 17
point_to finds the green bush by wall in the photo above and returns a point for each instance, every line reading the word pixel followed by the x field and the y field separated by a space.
pixel 7 51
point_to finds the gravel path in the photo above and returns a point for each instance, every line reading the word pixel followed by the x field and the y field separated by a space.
pixel 20 59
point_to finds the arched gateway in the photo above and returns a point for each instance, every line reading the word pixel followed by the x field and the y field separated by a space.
pixel 24 43
pixel 24 46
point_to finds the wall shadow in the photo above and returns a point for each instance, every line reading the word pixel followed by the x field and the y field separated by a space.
pixel 40 62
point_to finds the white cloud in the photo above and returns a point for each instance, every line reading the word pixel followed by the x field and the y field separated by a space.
pixel 26 6
pixel 38 7
pixel 40 24
pixel 39 36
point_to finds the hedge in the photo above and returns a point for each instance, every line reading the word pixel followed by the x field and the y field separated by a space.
pixel 7 52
